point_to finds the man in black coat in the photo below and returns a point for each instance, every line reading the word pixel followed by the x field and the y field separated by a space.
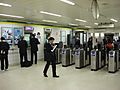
pixel 34 48
pixel 4 47
pixel 50 57
pixel 22 45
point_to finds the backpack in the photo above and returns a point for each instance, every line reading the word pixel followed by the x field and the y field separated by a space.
pixel 109 45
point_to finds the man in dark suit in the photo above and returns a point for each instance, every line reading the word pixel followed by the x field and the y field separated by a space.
pixel 34 48
pixel 4 47
pixel 50 57
pixel 22 45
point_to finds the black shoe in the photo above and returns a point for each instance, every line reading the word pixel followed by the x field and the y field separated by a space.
pixel 45 75
pixel 6 69
pixel 56 76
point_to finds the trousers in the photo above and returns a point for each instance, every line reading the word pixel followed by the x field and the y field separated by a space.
pixel 23 55
pixel 47 67
pixel 34 53
pixel 4 62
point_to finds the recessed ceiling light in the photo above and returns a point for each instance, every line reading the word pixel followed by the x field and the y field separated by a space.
pixel 113 20
pixel 73 24
pixel 96 23
pixel 50 21
pixel 4 4
pixel 68 2
pixel 80 20
pixel 48 13
pixel 14 16
pixel 88 26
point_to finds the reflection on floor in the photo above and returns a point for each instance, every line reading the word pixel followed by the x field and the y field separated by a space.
pixel 31 78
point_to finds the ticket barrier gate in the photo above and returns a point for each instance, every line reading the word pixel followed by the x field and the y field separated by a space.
pixel 119 58
pixel 58 55
pixel 103 58
pixel 87 57
pixel 96 61
pixel 79 58
pixel 66 57
pixel 72 61
pixel 113 63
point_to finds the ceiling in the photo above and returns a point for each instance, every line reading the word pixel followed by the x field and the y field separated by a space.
pixel 30 9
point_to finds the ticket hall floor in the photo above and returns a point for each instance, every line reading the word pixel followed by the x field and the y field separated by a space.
pixel 32 78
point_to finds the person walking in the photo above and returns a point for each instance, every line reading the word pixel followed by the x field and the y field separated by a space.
pixel 51 58
pixel 22 45
pixel 4 47
pixel 34 48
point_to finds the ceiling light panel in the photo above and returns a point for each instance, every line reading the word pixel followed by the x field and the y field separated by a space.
pixel 52 14
pixel 6 5
pixel 14 16
pixel 88 26
pixel 80 20
pixel 72 24
pixel 96 23
pixel 50 21
pixel 68 2
pixel 113 20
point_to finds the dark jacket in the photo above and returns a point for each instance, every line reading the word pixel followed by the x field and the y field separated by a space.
pixel 90 45
pixel 34 44
pixel 22 45
pixel 4 47
pixel 49 56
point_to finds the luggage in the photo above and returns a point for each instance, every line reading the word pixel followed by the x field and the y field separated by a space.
pixel 26 64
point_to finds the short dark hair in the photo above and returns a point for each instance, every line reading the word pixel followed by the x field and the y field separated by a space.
pixel 51 38
pixel 22 37
pixel 2 38
pixel 33 35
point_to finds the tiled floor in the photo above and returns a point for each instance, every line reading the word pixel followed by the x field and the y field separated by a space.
pixel 31 78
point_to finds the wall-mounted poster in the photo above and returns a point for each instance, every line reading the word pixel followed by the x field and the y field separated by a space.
pixel 63 36
pixel 27 38
pixel 18 32
pixel 7 33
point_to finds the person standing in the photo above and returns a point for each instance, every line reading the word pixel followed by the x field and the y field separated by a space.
pixel 50 57
pixel 22 45
pixel 90 43
pixel 77 43
pixel 4 47
pixel 109 47
pixel 34 48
